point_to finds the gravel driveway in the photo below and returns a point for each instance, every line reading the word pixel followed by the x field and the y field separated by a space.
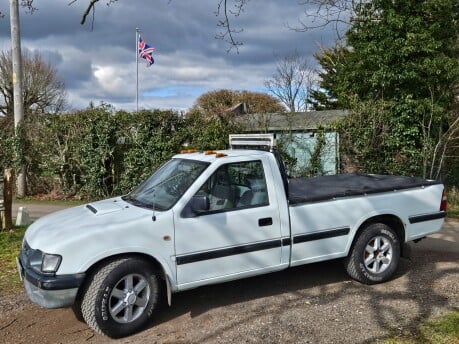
pixel 316 303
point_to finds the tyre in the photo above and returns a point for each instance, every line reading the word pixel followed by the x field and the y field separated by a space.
pixel 375 255
pixel 120 297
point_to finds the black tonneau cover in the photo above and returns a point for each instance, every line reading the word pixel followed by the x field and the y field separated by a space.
pixel 322 188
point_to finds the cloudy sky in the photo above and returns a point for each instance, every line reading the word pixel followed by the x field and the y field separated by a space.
pixel 100 65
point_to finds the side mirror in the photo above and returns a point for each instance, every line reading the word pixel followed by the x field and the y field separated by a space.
pixel 197 205
pixel 200 204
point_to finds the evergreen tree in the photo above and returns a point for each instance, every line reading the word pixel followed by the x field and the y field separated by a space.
pixel 397 72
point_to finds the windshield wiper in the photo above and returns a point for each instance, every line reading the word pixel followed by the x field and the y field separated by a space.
pixel 136 202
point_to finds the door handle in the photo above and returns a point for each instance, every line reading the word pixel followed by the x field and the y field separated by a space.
pixel 267 221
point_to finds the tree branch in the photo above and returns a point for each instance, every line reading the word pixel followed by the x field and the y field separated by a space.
pixel 28 4
pixel 227 30
pixel 90 7
pixel 322 13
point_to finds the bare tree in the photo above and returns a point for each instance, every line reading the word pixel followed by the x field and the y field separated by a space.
pixel 227 31
pixel 291 82
pixel 444 147
pixel 337 13
pixel 43 90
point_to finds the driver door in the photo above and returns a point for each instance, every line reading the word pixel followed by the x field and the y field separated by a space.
pixel 238 233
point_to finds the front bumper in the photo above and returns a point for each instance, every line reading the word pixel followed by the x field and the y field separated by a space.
pixel 50 291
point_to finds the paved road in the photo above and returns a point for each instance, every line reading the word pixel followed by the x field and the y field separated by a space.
pixel 37 210
pixel 447 240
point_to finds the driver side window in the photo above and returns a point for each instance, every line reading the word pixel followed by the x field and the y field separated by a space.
pixel 236 185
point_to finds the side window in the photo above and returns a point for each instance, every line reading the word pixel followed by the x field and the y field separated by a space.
pixel 235 186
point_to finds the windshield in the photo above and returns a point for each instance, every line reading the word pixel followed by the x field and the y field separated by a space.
pixel 164 187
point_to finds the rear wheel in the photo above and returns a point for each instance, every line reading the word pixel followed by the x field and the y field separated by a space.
pixel 121 297
pixel 375 255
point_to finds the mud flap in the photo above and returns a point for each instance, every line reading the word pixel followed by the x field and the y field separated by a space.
pixel 169 291
pixel 406 251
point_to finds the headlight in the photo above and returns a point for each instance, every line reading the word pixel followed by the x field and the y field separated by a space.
pixel 35 258
pixel 50 262
pixel 42 262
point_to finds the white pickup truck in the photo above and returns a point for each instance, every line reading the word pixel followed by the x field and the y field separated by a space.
pixel 211 217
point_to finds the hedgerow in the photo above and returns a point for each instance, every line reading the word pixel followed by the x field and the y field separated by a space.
pixel 100 152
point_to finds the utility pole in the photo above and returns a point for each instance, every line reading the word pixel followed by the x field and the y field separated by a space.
pixel 137 33
pixel 18 96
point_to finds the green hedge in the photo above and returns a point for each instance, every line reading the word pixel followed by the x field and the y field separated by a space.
pixel 99 152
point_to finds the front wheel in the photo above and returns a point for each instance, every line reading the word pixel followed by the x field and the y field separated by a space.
pixel 375 255
pixel 120 297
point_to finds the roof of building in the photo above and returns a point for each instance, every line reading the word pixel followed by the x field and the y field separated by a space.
pixel 290 121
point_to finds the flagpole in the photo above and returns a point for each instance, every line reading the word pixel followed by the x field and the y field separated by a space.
pixel 137 30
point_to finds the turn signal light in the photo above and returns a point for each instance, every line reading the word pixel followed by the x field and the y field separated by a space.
pixel 186 151
pixel 217 154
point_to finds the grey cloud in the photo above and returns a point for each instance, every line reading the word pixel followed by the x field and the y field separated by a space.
pixel 51 56
pixel 99 65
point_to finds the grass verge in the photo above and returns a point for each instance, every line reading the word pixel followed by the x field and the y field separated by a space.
pixel 443 330
pixel 10 245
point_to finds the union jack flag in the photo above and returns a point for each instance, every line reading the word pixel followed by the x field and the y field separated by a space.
pixel 146 52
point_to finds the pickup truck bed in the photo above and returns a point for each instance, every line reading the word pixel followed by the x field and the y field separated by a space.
pixel 304 190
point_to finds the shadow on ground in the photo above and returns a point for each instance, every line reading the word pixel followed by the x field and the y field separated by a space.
pixel 320 303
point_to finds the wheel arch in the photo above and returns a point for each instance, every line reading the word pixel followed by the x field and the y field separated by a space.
pixel 157 266
pixel 390 220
